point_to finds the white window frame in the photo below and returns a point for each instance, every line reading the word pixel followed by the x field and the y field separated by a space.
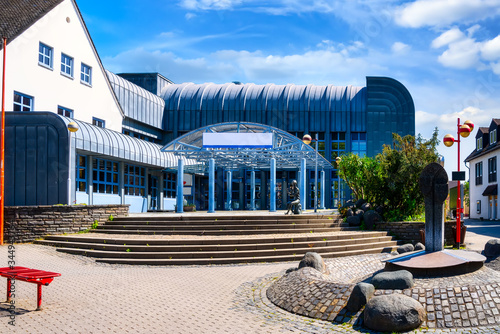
pixel 493 136
pixel 479 144
pixel 98 122
pixel 45 55
pixel 86 74
pixel 66 65
pixel 29 107
pixel 65 111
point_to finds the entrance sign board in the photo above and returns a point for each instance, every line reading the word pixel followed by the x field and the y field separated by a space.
pixel 237 140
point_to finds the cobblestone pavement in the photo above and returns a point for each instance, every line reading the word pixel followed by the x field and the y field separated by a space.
pixel 99 298
pixel 460 301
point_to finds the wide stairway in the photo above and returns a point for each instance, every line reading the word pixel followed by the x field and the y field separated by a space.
pixel 223 239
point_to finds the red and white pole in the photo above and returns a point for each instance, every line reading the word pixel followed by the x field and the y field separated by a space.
pixel 459 203
pixel 2 147
pixel 448 140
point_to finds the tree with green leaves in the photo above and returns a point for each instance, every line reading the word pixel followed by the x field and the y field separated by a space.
pixel 391 179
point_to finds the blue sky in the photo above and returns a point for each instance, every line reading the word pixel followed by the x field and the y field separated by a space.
pixel 446 52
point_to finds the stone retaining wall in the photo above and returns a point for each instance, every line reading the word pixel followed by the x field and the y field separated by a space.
pixel 27 223
pixel 410 231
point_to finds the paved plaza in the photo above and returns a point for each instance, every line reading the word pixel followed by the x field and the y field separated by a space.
pixel 101 298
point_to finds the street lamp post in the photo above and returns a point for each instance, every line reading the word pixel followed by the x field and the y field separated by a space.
pixel 307 140
pixel 72 127
pixel 338 160
pixel 448 140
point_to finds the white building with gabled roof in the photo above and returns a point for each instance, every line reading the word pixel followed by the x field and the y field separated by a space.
pixel 53 65
pixel 483 168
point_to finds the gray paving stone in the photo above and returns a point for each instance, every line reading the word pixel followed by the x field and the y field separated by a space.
pixel 100 298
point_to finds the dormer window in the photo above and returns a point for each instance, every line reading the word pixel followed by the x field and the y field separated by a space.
pixel 479 144
pixel 493 136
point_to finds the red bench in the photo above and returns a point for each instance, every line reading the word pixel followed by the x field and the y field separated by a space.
pixel 39 277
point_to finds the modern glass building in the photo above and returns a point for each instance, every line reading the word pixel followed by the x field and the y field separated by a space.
pixel 126 120
pixel 344 118
pixel 107 167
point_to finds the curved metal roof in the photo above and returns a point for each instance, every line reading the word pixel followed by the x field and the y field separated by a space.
pixel 136 102
pixel 248 97
pixel 287 149
pixel 100 141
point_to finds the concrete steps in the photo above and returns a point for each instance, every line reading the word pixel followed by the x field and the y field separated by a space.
pixel 220 240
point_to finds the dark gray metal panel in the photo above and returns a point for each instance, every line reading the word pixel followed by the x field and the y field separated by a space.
pixel 36 159
pixel 390 105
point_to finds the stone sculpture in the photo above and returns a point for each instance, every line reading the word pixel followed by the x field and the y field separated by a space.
pixel 434 186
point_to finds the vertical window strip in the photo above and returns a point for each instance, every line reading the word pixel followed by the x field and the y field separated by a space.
pixel 169 185
pixel 81 173
pixel 479 173
pixel 135 180
pixel 492 169
pixel 358 143
pixel 105 176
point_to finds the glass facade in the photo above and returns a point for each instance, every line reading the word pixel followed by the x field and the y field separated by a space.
pixel 358 143
pixel 81 173
pixel 135 180
pixel 105 176
pixel 169 185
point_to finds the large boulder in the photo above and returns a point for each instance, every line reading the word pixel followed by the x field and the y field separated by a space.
pixel 313 260
pixel 360 202
pixel 370 218
pixel 393 280
pixel 360 295
pixel 349 213
pixel 365 206
pixel 406 248
pixel 492 248
pixel 353 221
pixel 350 204
pixel 419 246
pixel 393 313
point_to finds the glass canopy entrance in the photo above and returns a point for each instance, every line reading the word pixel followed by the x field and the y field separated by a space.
pixel 243 146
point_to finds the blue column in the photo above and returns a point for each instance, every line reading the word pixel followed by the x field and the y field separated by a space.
pixel 322 204
pixel 272 205
pixel 252 190
pixel 229 190
pixel 302 183
pixel 180 186
pixel 211 185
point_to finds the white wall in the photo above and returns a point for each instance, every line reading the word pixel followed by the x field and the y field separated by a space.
pixel 49 87
pixel 477 191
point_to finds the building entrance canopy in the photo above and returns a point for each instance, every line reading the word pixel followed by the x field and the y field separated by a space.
pixel 287 149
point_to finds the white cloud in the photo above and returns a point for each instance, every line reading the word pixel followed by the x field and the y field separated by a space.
pixel 462 54
pixel 328 65
pixel 463 51
pixel 491 49
pixel 448 37
pixel 496 68
pixel 400 48
pixel 209 4
pixel 440 13
pixel 189 16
